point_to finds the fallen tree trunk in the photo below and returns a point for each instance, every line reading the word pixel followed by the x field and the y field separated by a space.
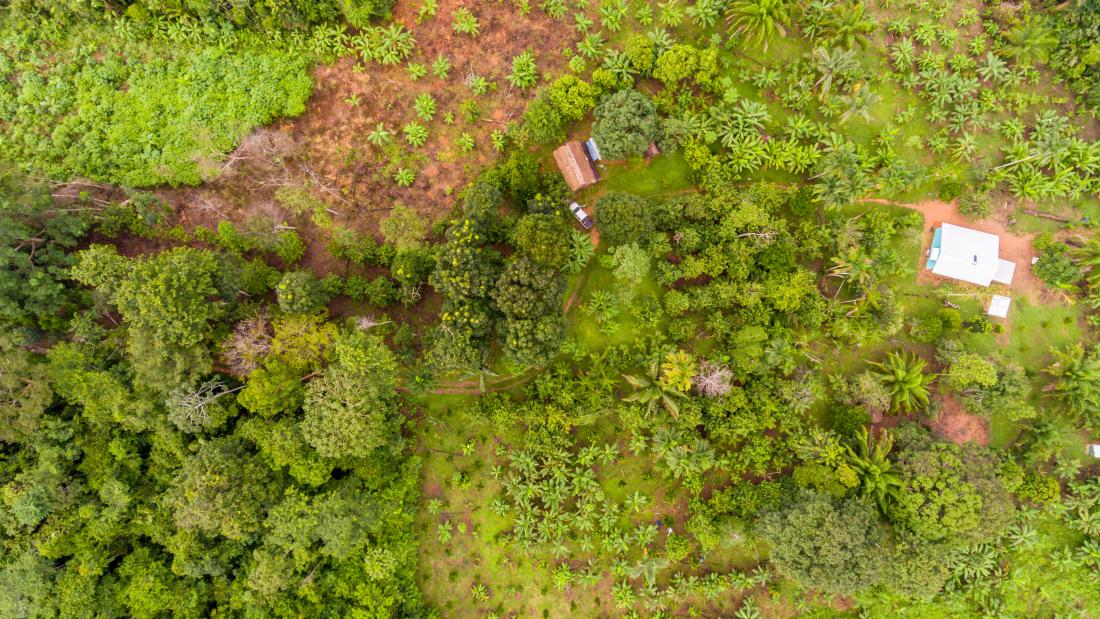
pixel 1028 211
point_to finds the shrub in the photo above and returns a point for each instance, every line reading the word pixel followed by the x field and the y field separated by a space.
pixel 926 328
pixel 1054 266
pixel 403 228
pixel 642 52
pixel 975 205
pixel 412 266
pixel 951 188
pixel 289 247
pixel 626 122
pixel 624 217
pixel 145 130
pixel 1038 488
pixel 848 420
pixel 677 548
pixel 543 238
pixel 676 63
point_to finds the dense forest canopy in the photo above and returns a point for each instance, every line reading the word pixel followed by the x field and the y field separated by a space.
pixel 297 320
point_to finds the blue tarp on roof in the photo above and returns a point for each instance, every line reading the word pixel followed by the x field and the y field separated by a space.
pixel 593 150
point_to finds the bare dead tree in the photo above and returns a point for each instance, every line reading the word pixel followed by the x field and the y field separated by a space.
pixel 248 345
pixel 714 380
pixel 366 323
pixel 205 204
pixel 322 185
pixel 191 408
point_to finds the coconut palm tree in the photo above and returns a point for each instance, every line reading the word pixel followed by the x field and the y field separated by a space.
pixel 760 20
pixel 1077 380
pixel 903 376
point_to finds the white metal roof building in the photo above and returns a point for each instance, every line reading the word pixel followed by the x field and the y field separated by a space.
pixel 998 306
pixel 968 255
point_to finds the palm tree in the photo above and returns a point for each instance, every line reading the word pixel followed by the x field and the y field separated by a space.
pixel 833 65
pixel 903 376
pixel 1031 40
pixel 878 480
pixel 648 568
pixel 760 19
pixel 1088 258
pixel 1046 437
pixel 859 103
pixel 1077 379
pixel 650 390
pixel 849 25
pixel 856 266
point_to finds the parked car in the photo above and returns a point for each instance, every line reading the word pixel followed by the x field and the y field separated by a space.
pixel 578 212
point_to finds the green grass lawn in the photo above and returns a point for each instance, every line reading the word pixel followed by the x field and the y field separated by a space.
pixel 665 174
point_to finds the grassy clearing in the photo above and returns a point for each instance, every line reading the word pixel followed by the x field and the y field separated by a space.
pixel 666 174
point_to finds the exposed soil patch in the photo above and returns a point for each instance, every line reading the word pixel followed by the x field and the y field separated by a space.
pixel 326 151
pixel 959 426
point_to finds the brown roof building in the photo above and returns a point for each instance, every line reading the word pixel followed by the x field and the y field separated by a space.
pixel 575 165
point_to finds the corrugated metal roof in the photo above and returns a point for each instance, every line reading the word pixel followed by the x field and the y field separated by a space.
pixel 574 165
pixel 968 255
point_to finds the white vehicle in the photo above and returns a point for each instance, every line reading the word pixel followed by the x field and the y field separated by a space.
pixel 578 212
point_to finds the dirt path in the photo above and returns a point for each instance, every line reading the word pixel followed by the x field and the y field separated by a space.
pixel 1014 247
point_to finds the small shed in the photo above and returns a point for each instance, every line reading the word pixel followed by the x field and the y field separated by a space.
pixel 575 165
pixel 1093 450
pixel 999 306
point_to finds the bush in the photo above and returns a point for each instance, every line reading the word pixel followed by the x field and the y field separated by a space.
pixel 347 244
pixel 951 188
pixel 952 320
pixel 289 247
pixel 623 217
pixel 1054 266
pixel 926 328
pixel 379 292
pixel 975 205
pixel 848 420
pixel 1038 488
pixel 543 238
pixel 676 63
pixel 642 52
pixel 626 122
pixel 300 292
pixel 677 548
pixel 412 266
